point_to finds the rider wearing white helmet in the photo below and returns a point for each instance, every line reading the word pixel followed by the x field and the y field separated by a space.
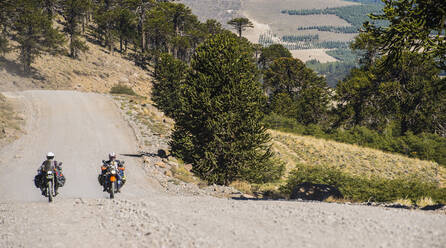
pixel 112 158
pixel 51 164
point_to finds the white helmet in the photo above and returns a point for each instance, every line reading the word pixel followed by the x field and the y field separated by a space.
pixel 50 155
pixel 112 155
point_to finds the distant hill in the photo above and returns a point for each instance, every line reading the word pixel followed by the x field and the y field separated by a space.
pixel 312 30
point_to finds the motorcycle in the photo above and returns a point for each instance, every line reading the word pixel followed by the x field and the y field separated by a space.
pixel 49 182
pixel 48 179
pixel 112 178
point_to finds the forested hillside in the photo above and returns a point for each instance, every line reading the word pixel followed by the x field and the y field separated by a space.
pixel 223 92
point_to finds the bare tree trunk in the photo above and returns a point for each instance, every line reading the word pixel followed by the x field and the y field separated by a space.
pixel 120 43
pixel 83 23
pixel 71 47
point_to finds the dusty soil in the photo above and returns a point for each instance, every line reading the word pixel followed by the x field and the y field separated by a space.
pixel 81 128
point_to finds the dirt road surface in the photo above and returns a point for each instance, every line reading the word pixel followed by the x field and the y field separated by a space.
pixel 81 128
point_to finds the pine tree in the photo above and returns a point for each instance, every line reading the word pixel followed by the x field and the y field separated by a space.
pixel 409 94
pixel 125 25
pixel 73 11
pixel 414 26
pixel 34 32
pixel 241 24
pixel 170 73
pixel 106 20
pixel 271 53
pixel 6 8
pixel 308 91
pixel 219 128
pixel 49 7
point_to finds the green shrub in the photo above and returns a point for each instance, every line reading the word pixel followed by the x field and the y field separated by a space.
pixel 122 89
pixel 359 188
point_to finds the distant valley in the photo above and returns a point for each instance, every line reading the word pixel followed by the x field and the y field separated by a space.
pixel 317 32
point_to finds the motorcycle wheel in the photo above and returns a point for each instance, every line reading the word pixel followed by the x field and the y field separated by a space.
pixel 112 190
pixel 50 191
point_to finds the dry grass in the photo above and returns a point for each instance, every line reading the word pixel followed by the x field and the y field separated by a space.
pixel 242 186
pixel 95 71
pixel 332 199
pixel 181 173
pixel 404 202
pixel 426 201
pixel 351 159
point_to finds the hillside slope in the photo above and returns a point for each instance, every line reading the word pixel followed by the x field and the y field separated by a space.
pixel 95 71
pixel 352 159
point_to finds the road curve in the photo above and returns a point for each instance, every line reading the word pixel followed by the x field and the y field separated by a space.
pixel 81 128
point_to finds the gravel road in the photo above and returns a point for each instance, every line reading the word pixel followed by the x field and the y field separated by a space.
pixel 81 128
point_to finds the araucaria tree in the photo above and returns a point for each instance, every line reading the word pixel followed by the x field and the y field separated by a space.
pixel 73 11
pixel 219 129
pixel 170 74
pixel 296 91
pixel 6 8
pixel 34 32
pixel 414 26
pixel 241 24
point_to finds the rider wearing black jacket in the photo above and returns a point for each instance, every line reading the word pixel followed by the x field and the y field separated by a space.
pixel 112 158
pixel 50 164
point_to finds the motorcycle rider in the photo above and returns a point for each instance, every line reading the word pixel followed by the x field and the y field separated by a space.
pixel 50 164
pixel 121 169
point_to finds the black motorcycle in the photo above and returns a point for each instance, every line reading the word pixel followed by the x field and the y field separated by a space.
pixel 49 184
pixel 112 178
pixel 49 179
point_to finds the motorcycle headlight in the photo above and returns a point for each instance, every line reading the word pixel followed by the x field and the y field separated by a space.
pixel 113 172
pixel 49 172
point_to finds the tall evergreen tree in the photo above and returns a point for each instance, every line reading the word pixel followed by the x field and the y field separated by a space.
pixel 170 74
pixel 414 26
pixel 354 97
pixel 126 23
pixel 308 92
pixel 408 93
pixel 49 7
pixel 241 24
pixel 219 128
pixel 6 8
pixel 271 53
pixel 106 20
pixel 73 11
pixel 34 32
pixel 212 27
